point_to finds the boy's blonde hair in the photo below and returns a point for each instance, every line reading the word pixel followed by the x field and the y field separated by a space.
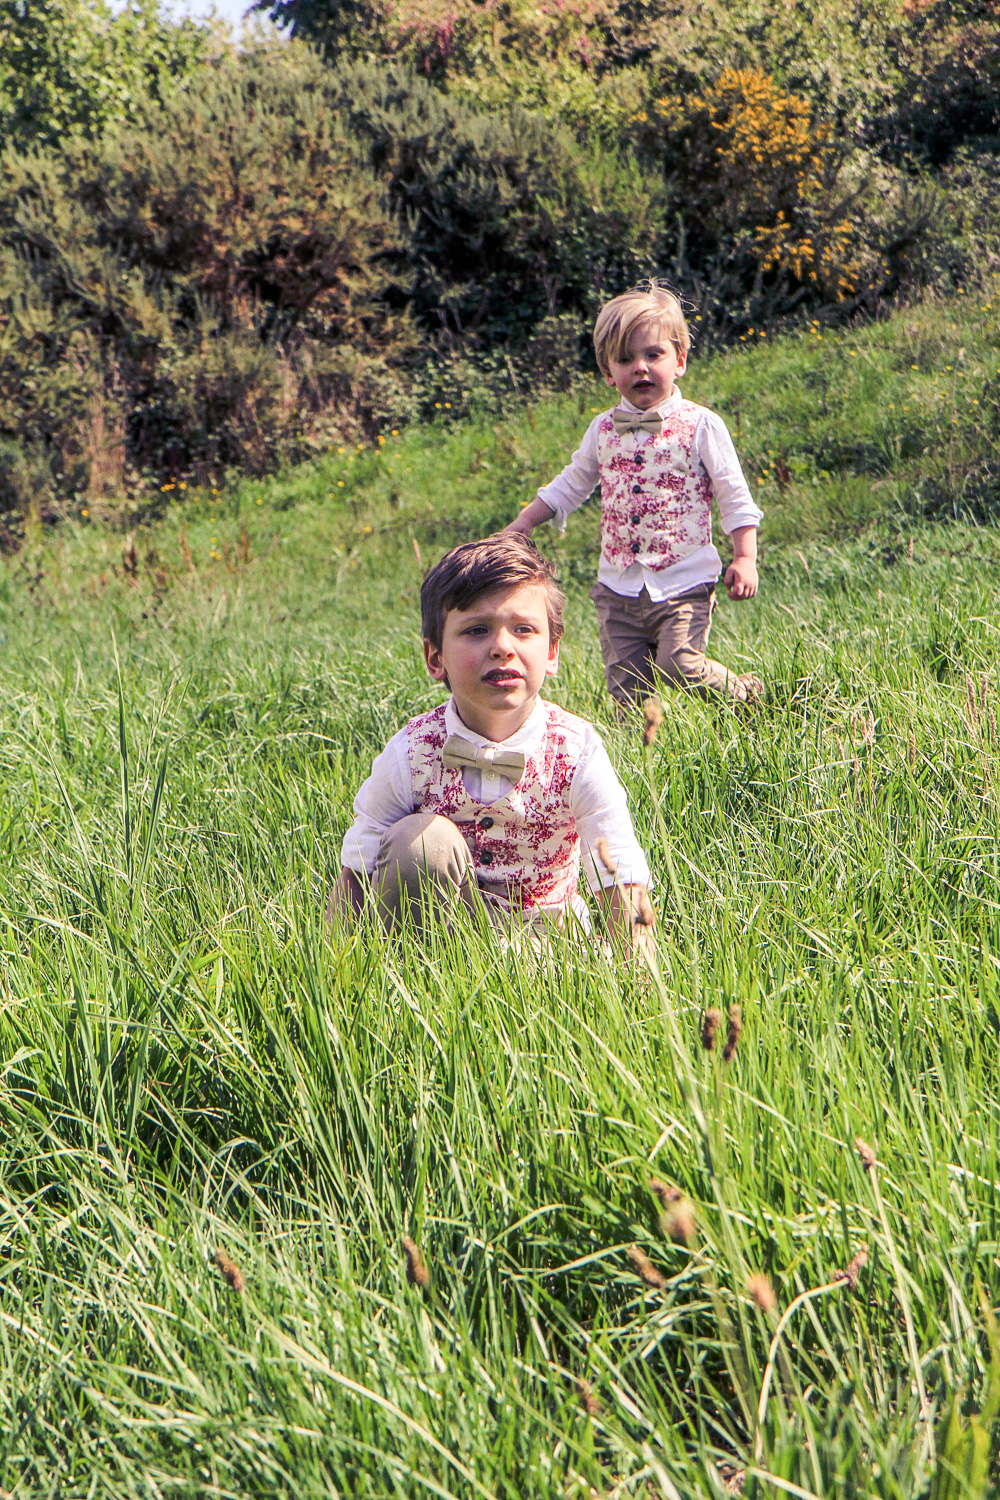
pixel 640 304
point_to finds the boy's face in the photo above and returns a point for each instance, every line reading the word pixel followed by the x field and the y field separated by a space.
pixel 646 375
pixel 495 656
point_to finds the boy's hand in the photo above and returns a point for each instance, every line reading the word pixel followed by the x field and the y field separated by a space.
pixel 741 575
pixel 531 516
pixel 741 578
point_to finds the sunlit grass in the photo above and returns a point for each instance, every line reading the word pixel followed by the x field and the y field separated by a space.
pixel 189 1063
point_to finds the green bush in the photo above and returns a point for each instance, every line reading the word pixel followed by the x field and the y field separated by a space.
pixel 197 291
pixel 72 67
pixel 509 219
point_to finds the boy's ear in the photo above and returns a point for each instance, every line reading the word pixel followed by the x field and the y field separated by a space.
pixel 552 665
pixel 433 662
pixel 682 362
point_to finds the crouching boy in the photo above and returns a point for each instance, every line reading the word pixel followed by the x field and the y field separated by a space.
pixel 660 461
pixel 497 797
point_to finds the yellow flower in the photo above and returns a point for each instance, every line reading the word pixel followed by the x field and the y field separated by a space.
pixel 395 432
pixel 183 486
pixel 447 403
pixel 367 528
pixel 85 512
pixel 437 405
pixel 260 502
pixel 340 450
pixel 917 367
pixel 340 484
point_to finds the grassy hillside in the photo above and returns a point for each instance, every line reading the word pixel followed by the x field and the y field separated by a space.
pixel 189 1064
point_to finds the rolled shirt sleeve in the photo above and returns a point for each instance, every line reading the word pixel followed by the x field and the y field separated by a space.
pixel 732 494
pixel 382 800
pixel 600 808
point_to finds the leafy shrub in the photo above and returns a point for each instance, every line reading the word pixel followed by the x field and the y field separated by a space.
pixel 765 208
pixel 70 66
pixel 948 99
pixel 509 219
pixel 192 293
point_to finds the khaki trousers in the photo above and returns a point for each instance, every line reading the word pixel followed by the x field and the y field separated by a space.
pixel 644 638
pixel 424 860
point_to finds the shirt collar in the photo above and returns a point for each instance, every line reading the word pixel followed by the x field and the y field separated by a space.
pixel 527 738
pixel 665 407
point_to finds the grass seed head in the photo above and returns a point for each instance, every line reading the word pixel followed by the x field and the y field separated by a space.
pixel 678 1223
pixel 588 1400
pixel 983 683
pixel 231 1273
pixel 972 710
pixel 417 1273
pixel 605 856
pixel 642 908
pixel 653 715
pixel 644 1268
pixel 666 1193
pixel 709 1028
pixel 733 1034
pixel 868 1158
pixel 762 1293
pixel 853 1270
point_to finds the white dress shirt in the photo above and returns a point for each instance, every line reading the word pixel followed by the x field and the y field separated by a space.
pixel 597 800
pixel 713 447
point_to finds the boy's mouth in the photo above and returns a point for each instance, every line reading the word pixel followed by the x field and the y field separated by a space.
pixel 502 676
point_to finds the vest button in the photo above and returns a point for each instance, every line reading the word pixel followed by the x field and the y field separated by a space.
pixel 486 858
pixel 636 520
pixel 486 824
pixel 637 489
pixel 636 547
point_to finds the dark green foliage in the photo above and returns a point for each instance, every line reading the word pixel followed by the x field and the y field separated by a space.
pixel 188 294
pixel 948 99
pixel 235 277
pixel 509 220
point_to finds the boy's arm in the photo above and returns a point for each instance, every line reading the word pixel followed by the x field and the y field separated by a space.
pixel 384 798
pixel 613 861
pixel 740 514
pixel 567 492
pixel 741 576
pixel 531 516
pixel 346 898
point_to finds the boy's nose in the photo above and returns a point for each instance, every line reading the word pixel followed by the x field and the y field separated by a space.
pixel 502 646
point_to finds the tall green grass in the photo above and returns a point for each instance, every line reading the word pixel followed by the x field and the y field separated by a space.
pixel 190 1063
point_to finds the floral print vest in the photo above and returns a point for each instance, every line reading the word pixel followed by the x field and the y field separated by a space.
pixel 524 846
pixel 656 498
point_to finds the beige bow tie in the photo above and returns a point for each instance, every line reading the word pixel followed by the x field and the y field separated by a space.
pixel 636 421
pixel 459 752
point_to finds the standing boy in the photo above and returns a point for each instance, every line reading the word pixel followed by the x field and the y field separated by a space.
pixel 660 461
pixel 496 797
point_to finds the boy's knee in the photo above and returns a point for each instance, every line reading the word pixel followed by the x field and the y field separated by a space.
pixel 423 853
pixel 685 667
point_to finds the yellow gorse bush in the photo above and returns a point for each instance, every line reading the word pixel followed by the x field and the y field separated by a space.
pixel 748 161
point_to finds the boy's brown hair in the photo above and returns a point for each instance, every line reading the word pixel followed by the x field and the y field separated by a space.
pixel 646 303
pixel 498 562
